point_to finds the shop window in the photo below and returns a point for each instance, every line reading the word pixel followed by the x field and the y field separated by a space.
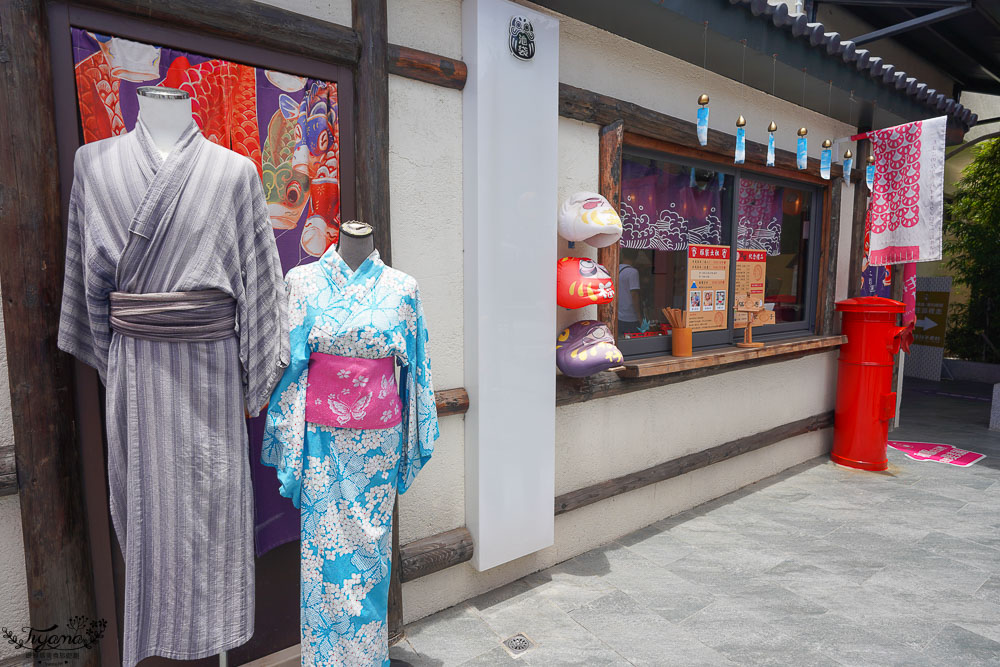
pixel 673 208
pixel 776 219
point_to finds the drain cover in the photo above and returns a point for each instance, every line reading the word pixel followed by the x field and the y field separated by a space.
pixel 518 644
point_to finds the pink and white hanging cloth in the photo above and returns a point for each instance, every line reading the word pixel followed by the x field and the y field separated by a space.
pixel 907 204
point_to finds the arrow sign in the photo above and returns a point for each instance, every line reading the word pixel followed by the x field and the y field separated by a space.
pixel 926 323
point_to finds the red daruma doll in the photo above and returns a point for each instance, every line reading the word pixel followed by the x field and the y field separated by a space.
pixel 582 282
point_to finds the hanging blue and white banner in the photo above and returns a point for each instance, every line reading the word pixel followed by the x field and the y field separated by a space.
pixel 802 153
pixel 703 125
pixel 741 144
pixel 825 158
pixel 770 149
pixel 870 176
pixel 848 164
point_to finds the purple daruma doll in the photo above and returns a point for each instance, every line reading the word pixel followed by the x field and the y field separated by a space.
pixel 586 347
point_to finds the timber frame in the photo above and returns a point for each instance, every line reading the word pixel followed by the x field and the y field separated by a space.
pixel 54 404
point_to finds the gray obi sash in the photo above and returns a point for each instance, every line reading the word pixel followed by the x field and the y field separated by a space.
pixel 176 317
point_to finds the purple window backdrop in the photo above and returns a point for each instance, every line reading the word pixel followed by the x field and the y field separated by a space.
pixel 661 210
pixel 759 214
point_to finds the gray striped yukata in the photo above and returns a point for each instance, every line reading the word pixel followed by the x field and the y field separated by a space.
pixel 178 467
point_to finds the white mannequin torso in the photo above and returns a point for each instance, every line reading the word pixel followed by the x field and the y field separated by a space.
pixel 166 113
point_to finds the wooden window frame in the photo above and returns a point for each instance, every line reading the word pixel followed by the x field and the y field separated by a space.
pixel 615 139
pixel 622 121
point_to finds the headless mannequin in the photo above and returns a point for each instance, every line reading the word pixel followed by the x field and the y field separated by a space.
pixel 357 241
pixel 166 113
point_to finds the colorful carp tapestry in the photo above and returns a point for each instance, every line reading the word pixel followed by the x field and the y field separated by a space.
pixel 286 124
pixel 760 216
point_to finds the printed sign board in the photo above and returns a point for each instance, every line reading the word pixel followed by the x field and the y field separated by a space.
pixel 707 287
pixel 751 267
pixel 932 315
pixel 930 322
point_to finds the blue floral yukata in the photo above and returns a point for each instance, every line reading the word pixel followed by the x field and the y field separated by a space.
pixel 344 480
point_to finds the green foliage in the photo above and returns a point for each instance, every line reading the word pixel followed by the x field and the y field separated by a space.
pixel 972 245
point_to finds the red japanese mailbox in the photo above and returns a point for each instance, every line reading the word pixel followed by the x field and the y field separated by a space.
pixel 865 400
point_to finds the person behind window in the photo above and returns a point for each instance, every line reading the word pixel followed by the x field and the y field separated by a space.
pixel 629 300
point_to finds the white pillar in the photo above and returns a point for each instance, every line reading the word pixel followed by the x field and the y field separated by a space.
pixel 510 122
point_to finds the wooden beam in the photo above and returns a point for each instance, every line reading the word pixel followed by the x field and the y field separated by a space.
pixel 603 385
pixel 371 130
pixel 610 185
pixel 568 502
pixel 829 240
pixel 858 217
pixel 633 140
pixel 451 401
pixel 427 67
pixel 56 549
pixel 602 110
pixel 246 21
pixel 434 553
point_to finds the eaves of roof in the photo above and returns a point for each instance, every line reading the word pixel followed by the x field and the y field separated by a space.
pixel 883 73
pixel 764 48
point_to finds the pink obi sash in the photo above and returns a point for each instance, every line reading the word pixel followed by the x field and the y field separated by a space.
pixel 347 392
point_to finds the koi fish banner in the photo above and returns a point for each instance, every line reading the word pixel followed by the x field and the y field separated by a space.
pixel 286 124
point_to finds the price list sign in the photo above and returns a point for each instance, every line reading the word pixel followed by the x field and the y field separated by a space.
pixel 708 285
pixel 751 267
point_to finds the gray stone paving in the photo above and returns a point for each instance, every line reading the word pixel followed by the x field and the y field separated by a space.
pixel 820 565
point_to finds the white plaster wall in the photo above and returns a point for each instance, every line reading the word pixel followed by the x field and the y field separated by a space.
pixel 13 577
pixel 428 25
pixel 425 199
pixel 601 439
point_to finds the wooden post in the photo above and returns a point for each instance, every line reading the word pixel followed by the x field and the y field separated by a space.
pixel 371 131
pixel 371 177
pixel 56 550
pixel 610 184
pixel 830 242
pixel 858 221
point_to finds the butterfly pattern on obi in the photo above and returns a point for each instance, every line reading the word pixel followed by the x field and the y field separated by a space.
pixel 358 410
pixel 344 440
